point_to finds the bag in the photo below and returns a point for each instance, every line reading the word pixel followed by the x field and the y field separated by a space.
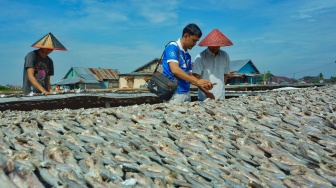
pixel 160 85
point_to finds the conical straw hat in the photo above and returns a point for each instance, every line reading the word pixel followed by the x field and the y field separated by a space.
pixel 49 42
pixel 215 38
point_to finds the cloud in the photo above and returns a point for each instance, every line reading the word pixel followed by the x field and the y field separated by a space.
pixel 279 36
pixel 157 11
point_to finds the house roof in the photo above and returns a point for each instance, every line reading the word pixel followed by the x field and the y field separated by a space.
pixel 74 80
pixel 145 65
pixel 137 74
pixel 236 65
pixel 279 79
pixel 99 74
pixel 105 74
pixel 89 75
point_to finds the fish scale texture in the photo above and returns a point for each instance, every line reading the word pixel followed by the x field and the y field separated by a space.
pixel 275 139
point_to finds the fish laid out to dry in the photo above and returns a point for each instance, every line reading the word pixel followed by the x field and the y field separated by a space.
pixel 275 139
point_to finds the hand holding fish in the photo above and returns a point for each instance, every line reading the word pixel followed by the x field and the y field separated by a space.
pixel 205 84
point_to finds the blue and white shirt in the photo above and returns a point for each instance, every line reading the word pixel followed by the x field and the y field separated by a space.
pixel 171 55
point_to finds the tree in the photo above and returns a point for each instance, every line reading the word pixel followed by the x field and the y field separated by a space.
pixel 4 87
pixel 320 76
pixel 333 79
pixel 266 76
pixel 308 78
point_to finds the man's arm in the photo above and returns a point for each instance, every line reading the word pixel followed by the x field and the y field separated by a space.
pixel 33 81
pixel 227 69
pixel 207 93
pixel 225 78
pixel 178 72
pixel 48 84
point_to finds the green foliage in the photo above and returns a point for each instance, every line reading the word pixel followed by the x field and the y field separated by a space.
pixel 333 79
pixel 266 76
pixel 4 88
pixel 8 89
pixel 320 76
pixel 308 78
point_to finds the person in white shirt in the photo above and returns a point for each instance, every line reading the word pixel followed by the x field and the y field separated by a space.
pixel 213 64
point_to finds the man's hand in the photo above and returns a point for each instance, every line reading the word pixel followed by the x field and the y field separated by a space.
pixel 209 95
pixel 204 84
pixel 46 93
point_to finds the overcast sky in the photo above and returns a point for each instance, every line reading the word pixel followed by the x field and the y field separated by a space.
pixel 292 38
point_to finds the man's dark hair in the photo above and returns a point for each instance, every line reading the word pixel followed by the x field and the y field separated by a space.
pixel 192 29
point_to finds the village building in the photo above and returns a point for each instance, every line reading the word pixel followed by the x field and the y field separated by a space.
pixel 89 78
pixel 243 72
pixel 281 80
pixel 139 77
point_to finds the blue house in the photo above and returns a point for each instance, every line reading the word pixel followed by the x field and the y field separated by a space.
pixel 243 72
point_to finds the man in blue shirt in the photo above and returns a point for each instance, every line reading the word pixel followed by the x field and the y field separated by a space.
pixel 176 62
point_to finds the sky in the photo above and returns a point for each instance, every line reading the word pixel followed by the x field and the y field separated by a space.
pixel 286 37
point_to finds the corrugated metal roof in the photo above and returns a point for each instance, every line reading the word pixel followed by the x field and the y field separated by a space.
pixel 155 60
pixel 74 80
pixel 115 73
pixel 89 75
pixel 97 73
pixel 85 73
pixel 105 74
pixel 236 65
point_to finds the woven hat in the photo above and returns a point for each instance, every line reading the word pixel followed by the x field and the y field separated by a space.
pixel 215 38
pixel 49 42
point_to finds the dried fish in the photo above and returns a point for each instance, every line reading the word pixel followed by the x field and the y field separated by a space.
pixel 140 157
pixel 310 177
pixel 30 128
pixel 191 142
pixel 179 168
pixel 11 131
pixel 112 172
pixel 273 170
pixel 22 175
pixel 90 136
pixel 275 139
pixel 177 179
pixel 197 180
pixel 250 147
pixel 50 176
pixel 208 173
pixel 144 119
pixel 154 170
pixel 142 180
pixel 70 179
pixel 126 161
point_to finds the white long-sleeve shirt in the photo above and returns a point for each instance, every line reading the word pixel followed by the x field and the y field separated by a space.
pixel 212 67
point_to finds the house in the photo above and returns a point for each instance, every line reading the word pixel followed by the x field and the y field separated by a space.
pixel 139 77
pixel 90 78
pixel 243 72
pixel 280 80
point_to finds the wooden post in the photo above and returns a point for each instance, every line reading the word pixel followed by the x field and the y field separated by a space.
pixel 107 104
